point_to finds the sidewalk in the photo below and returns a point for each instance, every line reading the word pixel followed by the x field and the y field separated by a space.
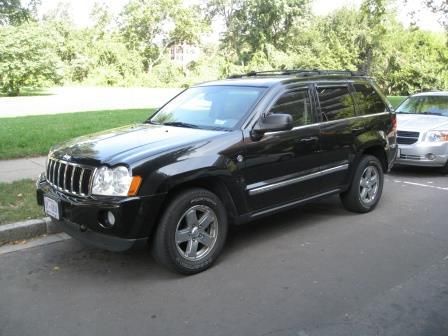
pixel 14 170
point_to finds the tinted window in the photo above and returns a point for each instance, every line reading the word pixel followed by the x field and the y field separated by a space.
pixel 368 100
pixel 297 104
pixel 335 103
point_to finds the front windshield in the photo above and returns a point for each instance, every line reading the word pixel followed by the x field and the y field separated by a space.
pixel 209 107
pixel 436 105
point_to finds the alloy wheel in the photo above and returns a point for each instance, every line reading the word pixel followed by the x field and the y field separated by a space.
pixel 368 186
pixel 196 232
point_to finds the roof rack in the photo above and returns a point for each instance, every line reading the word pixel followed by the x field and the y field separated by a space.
pixel 299 73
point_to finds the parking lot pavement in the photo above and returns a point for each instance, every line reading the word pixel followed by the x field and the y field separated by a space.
pixel 315 270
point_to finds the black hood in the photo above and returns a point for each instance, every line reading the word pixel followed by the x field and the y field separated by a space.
pixel 127 144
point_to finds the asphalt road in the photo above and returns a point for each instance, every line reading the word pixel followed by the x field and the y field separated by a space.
pixel 316 270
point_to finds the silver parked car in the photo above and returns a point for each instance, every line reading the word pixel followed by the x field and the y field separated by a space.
pixel 423 130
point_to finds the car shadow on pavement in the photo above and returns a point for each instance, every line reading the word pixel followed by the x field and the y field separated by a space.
pixel 75 259
pixel 274 227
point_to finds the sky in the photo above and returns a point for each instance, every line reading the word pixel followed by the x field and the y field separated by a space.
pixel 81 9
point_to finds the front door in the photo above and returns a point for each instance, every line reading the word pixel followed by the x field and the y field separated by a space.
pixel 282 166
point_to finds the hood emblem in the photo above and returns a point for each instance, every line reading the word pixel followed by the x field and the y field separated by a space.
pixel 66 157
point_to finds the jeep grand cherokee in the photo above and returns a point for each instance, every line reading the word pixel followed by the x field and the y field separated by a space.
pixel 220 153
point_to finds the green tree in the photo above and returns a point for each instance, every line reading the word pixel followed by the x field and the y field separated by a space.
pixel 328 42
pixel 414 61
pixel 13 13
pixel 224 10
pixel 150 27
pixel 27 58
pixel 373 20
pixel 261 23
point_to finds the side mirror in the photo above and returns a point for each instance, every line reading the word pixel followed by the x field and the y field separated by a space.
pixel 272 123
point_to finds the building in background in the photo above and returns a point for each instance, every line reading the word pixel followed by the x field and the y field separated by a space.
pixel 183 54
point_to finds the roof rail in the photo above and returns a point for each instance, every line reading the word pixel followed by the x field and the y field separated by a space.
pixel 299 73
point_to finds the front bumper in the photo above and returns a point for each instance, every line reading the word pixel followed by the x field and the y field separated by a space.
pixel 135 217
pixel 100 240
pixel 423 154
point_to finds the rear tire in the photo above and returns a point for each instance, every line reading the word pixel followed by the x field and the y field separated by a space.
pixel 191 232
pixel 367 186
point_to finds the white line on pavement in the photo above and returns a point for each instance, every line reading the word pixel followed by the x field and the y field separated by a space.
pixel 422 185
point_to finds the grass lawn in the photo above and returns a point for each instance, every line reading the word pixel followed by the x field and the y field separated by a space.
pixel 34 135
pixel 18 202
pixel 396 100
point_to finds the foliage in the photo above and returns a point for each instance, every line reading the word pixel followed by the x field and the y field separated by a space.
pixel 133 48
pixel 149 27
pixel 27 58
pixel 13 13
pixel 373 20
pixel 417 61
pixel 256 25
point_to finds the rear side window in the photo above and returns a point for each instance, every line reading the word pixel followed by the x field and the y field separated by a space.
pixel 335 103
pixel 368 100
pixel 297 104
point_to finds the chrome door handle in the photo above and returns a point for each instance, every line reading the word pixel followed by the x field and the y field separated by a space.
pixel 306 140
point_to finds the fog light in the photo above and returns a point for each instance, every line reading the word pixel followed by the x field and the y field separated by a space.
pixel 111 218
pixel 106 219
pixel 430 156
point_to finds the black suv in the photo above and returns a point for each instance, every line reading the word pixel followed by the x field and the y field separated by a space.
pixel 220 153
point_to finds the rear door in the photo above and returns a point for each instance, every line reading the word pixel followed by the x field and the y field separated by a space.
pixel 337 128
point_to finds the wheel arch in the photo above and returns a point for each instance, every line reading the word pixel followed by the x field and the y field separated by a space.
pixel 212 184
pixel 379 152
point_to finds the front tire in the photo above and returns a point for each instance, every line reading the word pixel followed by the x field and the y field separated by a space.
pixel 191 232
pixel 367 186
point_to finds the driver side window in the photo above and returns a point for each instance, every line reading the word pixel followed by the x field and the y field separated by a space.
pixel 297 104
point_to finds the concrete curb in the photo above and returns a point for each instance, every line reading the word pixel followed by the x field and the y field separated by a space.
pixel 27 229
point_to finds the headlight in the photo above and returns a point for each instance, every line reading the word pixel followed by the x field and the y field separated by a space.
pixel 116 181
pixel 436 136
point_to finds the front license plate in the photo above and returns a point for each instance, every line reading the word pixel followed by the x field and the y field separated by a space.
pixel 51 207
pixel 398 152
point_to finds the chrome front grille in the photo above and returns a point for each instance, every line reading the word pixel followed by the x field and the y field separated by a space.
pixel 70 177
pixel 407 138
pixel 412 157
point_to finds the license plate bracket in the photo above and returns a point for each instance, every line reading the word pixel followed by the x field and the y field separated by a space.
pixel 52 208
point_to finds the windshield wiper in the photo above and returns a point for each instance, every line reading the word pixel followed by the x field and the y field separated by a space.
pixel 180 124
pixel 149 121
pixel 432 113
pixel 424 113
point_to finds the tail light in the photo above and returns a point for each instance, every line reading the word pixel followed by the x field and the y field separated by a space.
pixel 394 122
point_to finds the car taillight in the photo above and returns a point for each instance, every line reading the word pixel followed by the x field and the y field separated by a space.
pixel 394 122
